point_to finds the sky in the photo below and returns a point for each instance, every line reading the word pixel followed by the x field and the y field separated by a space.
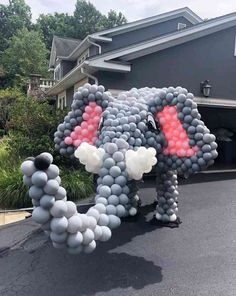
pixel 135 9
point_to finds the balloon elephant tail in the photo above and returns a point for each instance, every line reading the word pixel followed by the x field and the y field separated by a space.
pixel 58 217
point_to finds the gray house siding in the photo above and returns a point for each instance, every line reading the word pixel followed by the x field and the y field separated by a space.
pixel 69 96
pixel 210 57
pixel 67 66
pixel 142 34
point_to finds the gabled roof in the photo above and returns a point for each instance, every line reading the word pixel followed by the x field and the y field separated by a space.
pixel 166 41
pixel 62 47
pixel 185 12
pixel 106 35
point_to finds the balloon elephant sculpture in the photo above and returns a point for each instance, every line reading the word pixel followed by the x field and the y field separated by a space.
pixel 119 139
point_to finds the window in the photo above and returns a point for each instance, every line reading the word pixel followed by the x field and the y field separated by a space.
pixel 61 100
pixel 57 72
pixel 83 57
pixel 181 26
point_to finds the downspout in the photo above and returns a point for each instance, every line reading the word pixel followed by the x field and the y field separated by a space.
pixel 83 71
pixel 95 44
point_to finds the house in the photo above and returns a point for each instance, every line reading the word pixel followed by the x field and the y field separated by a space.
pixel 173 48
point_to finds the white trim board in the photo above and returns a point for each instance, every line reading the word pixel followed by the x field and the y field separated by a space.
pixel 215 102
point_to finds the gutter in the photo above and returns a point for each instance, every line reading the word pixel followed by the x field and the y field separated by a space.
pixel 65 78
pixel 95 44
pixel 83 71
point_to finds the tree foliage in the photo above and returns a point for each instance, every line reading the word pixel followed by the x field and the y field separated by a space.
pixel 85 20
pixel 60 24
pixel 26 54
pixel 23 44
pixel 7 98
pixel 13 17
pixel 114 19
pixel 32 128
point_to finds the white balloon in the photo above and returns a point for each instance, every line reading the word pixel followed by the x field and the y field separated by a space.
pixel 90 247
pixel 75 239
pixel 88 236
pixel 132 211
pixel 92 222
pixel 93 213
pixel 74 224
pixel 90 156
pixel 139 162
pixel 97 232
pixel 71 209
pixel 106 234
pixel 59 209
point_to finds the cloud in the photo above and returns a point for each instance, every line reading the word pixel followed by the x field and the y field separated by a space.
pixel 135 9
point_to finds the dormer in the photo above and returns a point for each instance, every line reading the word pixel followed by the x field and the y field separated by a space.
pixel 61 48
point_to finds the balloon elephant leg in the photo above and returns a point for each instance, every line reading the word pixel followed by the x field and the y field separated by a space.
pixel 167 195
pixel 134 200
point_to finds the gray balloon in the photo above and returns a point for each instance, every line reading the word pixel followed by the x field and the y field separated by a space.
pixel 52 171
pixel 27 181
pixel 61 193
pixel 47 201
pixel 59 238
pixel 51 187
pixel 28 168
pixel 114 221
pixel 40 215
pixel 59 225
pixel 39 178
pixel 36 192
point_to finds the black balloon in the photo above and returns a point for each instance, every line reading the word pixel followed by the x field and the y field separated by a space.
pixel 42 162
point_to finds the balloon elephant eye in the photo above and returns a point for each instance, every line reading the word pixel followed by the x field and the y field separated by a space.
pixel 151 122
pixel 100 123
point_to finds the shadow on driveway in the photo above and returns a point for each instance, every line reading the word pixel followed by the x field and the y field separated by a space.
pixel 40 269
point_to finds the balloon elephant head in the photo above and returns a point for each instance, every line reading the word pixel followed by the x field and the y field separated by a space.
pixel 119 139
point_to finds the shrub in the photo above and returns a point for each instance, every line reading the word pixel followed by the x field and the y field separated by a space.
pixel 7 98
pixel 32 125
pixel 2 133
pixel 77 182
pixel 32 128
pixel 13 193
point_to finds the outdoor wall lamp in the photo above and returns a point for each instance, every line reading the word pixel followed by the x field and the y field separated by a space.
pixel 205 88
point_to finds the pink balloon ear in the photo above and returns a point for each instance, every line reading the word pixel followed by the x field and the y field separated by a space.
pixel 87 130
pixel 176 136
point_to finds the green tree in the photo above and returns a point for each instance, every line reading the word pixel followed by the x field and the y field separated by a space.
pixel 7 98
pixel 60 24
pixel 32 125
pixel 26 54
pixel 114 19
pixel 87 19
pixel 13 17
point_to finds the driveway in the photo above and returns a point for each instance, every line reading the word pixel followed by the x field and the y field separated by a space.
pixel 198 258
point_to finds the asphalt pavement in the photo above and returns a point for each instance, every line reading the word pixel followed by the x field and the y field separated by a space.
pixel 196 259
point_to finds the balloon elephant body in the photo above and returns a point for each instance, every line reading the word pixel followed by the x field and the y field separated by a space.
pixel 119 139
